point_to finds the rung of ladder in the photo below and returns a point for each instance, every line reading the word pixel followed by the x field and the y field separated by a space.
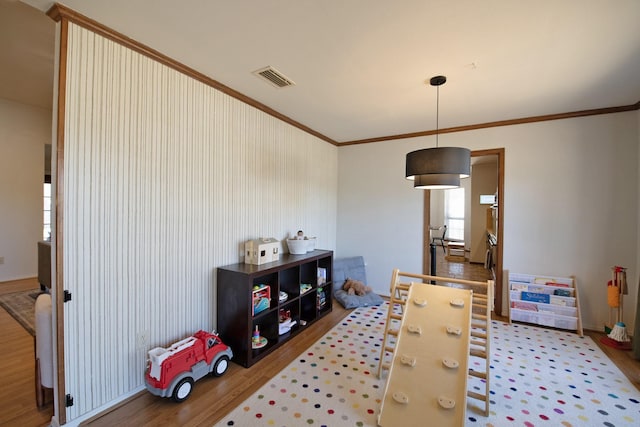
pixel 478 342
pixel 478 316
pixel 393 332
pixel 477 374
pixel 389 349
pixel 477 395
pixel 478 353
pixel 479 334
pixel 386 366
pixel 395 316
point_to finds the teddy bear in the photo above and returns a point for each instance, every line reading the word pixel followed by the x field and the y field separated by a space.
pixel 355 287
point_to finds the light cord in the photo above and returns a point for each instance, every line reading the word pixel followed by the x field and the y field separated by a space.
pixel 437 113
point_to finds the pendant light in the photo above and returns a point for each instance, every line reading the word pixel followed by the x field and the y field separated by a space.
pixel 438 167
pixel 436 181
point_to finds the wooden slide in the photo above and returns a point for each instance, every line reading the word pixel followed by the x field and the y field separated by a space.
pixel 430 333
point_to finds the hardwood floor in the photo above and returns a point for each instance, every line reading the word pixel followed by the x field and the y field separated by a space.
pixel 460 270
pixel 17 362
pixel 212 398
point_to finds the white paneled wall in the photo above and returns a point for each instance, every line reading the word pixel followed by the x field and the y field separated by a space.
pixel 164 178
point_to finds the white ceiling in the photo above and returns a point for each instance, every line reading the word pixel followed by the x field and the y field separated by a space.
pixel 27 39
pixel 360 66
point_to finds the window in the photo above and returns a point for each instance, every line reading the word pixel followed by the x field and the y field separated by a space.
pixel 46 230
pixel 454 213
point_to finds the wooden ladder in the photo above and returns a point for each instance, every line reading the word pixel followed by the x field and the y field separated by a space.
pixel 397 301
pixel 480 334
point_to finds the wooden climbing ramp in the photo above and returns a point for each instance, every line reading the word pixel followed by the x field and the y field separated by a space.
pixel 437 327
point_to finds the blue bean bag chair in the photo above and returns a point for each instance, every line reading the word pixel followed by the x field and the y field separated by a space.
pixel 352 268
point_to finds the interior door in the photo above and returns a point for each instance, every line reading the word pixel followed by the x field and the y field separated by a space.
pixel 498 297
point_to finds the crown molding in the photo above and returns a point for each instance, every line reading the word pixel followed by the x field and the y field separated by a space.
pixel 510 122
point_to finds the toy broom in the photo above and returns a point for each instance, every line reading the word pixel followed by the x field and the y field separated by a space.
pixel 615 289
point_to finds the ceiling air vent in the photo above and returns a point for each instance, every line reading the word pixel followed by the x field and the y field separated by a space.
pixel 274 77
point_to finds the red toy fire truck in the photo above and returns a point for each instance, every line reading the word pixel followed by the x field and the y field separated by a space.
pixel 172 371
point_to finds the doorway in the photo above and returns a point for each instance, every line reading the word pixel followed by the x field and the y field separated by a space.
pixel 498 219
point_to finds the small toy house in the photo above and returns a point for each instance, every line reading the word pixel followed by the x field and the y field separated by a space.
pixel 261 251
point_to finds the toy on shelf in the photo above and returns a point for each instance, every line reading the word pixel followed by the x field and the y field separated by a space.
pixel 284 315
pixel 172 371
pixel 305 287
pixel 285 321
pixel 286 326
pixel 321 299
pixel 301 244
pixel 261 251
pixel 261 297
pixel 283 296
pixel 322 276
pixel 257 341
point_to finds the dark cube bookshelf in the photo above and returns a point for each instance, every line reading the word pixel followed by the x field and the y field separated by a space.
pixel 235 319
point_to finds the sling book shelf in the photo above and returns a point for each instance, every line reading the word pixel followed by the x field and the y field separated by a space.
pixel 261 307
pixel 545 300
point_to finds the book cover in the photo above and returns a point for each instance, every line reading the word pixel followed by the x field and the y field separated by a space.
pixel 535 297
pixel 518 286
pixel 523 305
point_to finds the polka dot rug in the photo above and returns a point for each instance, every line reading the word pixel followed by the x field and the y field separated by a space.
pixel 539 377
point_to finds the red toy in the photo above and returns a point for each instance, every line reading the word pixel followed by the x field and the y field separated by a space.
pixel 172 371
pixel 261 295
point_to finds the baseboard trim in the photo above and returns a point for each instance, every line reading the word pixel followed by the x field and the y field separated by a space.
pixel 98 413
